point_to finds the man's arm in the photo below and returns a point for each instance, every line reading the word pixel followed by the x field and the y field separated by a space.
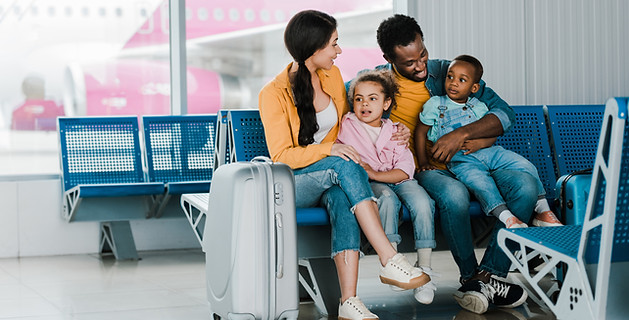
pixel 497 121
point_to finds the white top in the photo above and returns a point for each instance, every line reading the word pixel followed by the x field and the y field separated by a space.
pixel 372 132
pixel 326 119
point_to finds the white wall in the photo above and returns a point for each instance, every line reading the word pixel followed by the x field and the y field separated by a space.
pixel 536 51
pixel 31 225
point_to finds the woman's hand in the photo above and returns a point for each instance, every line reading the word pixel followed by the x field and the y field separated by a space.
pixel 403 134
pixel 345 151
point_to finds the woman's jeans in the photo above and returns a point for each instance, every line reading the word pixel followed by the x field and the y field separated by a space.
pixel 420 206
pixel 337 185
pixel 452 200
pixel 474 171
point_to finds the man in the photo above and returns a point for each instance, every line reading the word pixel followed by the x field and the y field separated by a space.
pixel 402 42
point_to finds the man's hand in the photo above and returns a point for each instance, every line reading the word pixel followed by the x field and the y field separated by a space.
pixel 444 149
pixel 424 167
pixel 403 134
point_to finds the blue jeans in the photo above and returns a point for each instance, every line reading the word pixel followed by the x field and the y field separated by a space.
pixel 337 185
pixel 452 200
pixel 474 171
pixel 420 206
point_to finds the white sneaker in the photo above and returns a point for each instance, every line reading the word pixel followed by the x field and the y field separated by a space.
pixel 399 272
pixel 354 309
pixel 426 293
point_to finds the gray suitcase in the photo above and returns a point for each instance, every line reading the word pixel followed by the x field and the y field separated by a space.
pixel 250 242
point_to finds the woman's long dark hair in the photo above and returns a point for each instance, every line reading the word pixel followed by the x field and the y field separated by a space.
pixel 306 32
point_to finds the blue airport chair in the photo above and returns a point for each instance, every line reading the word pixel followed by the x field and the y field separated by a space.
pixel 101 158
pixel 574 131
pixel 597 249
pixel 180 153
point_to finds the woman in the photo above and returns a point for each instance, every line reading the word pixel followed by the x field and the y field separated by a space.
pixel 301 110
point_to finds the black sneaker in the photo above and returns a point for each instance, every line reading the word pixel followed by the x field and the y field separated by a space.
pixel 507 295
pixel 474 295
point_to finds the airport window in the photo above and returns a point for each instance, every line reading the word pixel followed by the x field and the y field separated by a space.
pixel 118 64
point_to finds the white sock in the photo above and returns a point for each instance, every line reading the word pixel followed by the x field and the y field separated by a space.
pixel 504 216
pixel 541 205
pixel 394 245
pixel 423 257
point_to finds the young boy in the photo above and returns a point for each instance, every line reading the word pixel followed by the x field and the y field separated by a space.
pixel 473 164
pixel 389 165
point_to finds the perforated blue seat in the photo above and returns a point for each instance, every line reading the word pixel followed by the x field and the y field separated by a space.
pixel 180 151
pixel 574 132
pixel 101 157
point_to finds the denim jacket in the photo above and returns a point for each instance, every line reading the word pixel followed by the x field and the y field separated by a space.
pixel 435 83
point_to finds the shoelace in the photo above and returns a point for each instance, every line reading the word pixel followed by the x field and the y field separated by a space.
pixel 500 289
pixel 487 290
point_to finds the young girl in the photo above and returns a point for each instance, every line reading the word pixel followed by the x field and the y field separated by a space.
pixel 301 111
pixel 389 165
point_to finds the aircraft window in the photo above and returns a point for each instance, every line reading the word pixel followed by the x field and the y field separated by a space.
pixel 265 15
pixel 102 11
pixel 51 11
pixel 279 15
pixel 219 14
pixel 250 15
pixel 118 12
pixel 85 11
pixel 202 14
pixel 68 11
pixel 234 15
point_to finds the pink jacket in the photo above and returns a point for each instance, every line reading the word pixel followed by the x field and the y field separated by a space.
pixel 386 155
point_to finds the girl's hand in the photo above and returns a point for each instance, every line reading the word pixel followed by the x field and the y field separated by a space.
pixel 345 151
pixel 370 171
pixel 403 134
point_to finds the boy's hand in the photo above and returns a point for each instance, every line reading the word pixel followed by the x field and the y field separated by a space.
pixel 424 167
pixel 472 146
pixel 447 146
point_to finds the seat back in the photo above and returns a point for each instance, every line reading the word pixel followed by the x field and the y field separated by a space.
pixel 605 238
pixel 529 138
pixel 574 131
pixel 100 150
pixel 180 148
pixel 247 139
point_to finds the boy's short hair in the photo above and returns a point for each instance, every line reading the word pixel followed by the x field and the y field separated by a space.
pixel 384 77
pixel 478 67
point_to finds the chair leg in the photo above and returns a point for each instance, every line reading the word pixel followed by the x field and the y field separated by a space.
pixel 116 237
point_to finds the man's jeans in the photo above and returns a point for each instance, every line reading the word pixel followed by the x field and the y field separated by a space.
pixel 420 206
pixel 452 199
pixel 336 185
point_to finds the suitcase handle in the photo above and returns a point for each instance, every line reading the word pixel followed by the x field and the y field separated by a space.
pixel 279 231
pixel 261 159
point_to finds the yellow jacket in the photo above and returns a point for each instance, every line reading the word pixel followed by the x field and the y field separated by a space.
pixel 281 121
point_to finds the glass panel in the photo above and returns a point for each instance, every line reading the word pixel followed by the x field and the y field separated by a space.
pixel 74 58
pixel 235 47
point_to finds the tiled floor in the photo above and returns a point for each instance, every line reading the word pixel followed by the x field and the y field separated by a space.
pixel 171 285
